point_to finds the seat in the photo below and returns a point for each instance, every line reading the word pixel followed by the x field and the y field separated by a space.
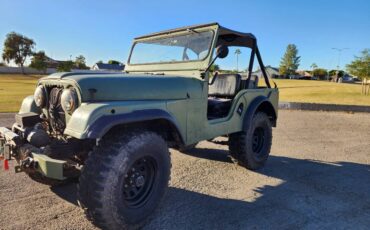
pixel 225 85
pixel 221 92
pixel 253 82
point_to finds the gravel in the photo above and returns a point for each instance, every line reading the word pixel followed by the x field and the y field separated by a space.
pixel 318 176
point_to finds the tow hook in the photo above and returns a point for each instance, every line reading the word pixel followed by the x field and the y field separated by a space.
pixel 26 164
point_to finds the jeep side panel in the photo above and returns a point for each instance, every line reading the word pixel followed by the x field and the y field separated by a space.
pixel 200 128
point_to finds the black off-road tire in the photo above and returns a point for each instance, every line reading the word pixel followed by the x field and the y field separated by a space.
pixel 103 189
pixel 252 147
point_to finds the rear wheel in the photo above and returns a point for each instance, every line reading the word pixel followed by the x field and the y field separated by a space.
pixel 124 180
pixel 251 148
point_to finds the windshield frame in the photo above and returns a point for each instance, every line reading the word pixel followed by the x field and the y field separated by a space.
pixel 178 33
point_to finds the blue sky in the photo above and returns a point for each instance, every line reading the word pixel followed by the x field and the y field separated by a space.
pixel 103 30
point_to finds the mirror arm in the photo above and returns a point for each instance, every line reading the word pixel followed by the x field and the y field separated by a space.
pixel 203 75
pixel 213 79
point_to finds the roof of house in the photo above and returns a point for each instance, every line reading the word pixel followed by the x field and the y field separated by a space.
pixel 274 68
pixel 107 66
pixel 270 69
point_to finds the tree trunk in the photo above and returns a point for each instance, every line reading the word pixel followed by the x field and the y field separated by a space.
pixel 22 68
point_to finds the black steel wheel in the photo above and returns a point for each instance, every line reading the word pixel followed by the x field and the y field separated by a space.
pixel 258 140
pixel 251 148
pixel 138 182
pixel 124 180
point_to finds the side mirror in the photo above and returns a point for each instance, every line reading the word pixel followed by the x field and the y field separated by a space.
pixel 222 51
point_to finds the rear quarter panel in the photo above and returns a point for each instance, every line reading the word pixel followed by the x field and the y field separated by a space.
pixel 234 122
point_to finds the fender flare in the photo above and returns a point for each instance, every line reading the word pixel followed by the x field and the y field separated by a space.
pixel 254 106
pixel 104 123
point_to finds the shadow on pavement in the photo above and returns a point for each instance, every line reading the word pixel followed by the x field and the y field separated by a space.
pixel 210 154
pixel 312 194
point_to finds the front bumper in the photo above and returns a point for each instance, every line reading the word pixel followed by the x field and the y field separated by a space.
pixel 29 158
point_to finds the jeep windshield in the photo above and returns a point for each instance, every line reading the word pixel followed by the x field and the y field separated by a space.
pixel 192 46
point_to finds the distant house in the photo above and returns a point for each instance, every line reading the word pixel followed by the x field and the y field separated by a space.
pixel 51 63
pixel 108 67
pixel 304 73
pixel 272 72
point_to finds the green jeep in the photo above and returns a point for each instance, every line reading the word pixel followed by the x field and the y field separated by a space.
pixel 113 131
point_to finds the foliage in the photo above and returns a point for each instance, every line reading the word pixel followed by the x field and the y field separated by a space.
pixel 360 67
pixel 237 53
pixel 100 62
pixel 313 66
pixel 228 71
pixel 2 64
pixel 65 66
pixel 17 48
pixel 334 72
pixel 38 61
pixel 290 61
pixel 114 62
pixel 80 62
pixel 214 68
pixel 320 72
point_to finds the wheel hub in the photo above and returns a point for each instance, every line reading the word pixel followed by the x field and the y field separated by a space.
pixel 258 139
pixel 138 181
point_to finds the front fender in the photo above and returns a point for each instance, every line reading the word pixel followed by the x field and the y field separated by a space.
pixel 28 105
pixel 92 121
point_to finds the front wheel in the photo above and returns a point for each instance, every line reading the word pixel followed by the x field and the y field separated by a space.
pixel 124 180
pixel 251 148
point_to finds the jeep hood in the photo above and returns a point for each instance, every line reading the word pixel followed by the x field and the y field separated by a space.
pixel 117 87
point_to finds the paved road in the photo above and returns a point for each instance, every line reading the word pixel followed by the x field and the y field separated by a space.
pixel 318 176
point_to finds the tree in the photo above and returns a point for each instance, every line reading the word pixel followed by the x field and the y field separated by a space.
pixel 38 61
pixel 80 62
pixel 290 61
pixel 65 66
pixel 320 73
pixel 214 68
pixel 360 67
pixel 17 48
pixel 237 53
pixel 313 66
pixel 114 62
pixel 2 64
pixel 100 62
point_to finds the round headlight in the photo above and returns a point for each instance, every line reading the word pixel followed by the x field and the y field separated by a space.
pixel 69 100
pixel 40 96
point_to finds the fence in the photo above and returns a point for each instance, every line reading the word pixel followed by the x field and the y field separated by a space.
pixel 27 70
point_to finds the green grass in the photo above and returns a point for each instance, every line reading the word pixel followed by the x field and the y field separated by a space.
pixel 14 87
pixel 321 92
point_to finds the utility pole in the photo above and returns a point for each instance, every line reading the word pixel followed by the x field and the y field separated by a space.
pixel 339 54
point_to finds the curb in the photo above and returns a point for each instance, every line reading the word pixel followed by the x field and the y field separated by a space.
pixel 323 107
